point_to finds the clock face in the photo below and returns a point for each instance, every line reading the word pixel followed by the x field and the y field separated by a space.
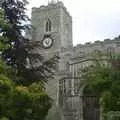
pixel 47 42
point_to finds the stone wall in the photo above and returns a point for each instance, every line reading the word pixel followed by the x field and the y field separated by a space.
pixel 65 89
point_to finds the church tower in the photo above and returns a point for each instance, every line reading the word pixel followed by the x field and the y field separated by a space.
pixel 52 27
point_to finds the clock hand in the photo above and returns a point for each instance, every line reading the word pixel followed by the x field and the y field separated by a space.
pixel 47 42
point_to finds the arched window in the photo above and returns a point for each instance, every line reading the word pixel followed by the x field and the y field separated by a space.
pixel 48 25
pixel 110 51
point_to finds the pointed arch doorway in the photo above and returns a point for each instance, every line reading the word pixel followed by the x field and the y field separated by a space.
pixel 91 107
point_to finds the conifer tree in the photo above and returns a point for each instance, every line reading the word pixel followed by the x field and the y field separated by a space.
pixel 20 51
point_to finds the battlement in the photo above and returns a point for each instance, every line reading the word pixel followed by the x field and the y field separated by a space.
pixel 51 5
pixel 98 42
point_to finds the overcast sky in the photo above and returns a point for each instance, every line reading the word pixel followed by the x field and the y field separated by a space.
pixel 92 19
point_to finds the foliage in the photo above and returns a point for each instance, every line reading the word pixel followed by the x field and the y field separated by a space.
pixel 30 104
pixel 103 77
pixel 3 26
pixel 16 100
pixel 21 53
pixel 21 102
pixel 112 115
pixel 4 118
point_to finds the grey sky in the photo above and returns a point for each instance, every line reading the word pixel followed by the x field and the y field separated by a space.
pixel 92 19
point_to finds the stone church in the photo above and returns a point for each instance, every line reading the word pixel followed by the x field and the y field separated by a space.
pixel 53 28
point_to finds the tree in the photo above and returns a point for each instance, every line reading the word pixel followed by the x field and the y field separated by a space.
pixel 18 101
pixel 103 77
pixel 29 102
pixel 20 51
pixel 3 26
pixel 21 102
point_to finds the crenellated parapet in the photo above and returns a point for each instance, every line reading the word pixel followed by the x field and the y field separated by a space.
pixel 51 5
pixel 108 45
pixel 98 42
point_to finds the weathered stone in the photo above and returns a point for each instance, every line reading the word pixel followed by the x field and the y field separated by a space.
pixel 65 89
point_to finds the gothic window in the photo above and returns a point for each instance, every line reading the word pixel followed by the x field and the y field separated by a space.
pixel 110 51
pixel 48 25
pixel 60 92
pixel 69 87
pixel 64 86
pixel 67 66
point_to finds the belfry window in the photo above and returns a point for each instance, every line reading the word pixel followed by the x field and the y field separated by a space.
pixel 48 25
